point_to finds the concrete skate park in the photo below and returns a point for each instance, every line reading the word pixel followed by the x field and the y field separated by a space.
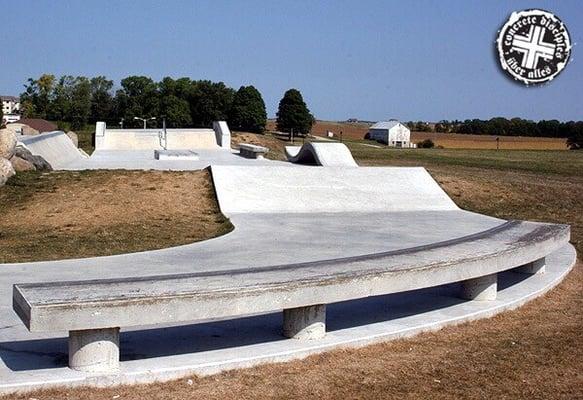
pixel 325 254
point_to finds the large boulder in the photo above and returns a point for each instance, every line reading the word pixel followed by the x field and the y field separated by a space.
pixel 6 171
pixel 7 143
pixel 20 164
pixel 39 162
pixel 74 138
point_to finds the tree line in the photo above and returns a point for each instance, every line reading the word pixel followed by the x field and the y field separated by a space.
pixel 182 102
pixel 503 127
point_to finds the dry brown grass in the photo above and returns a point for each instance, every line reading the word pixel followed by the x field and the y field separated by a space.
pixel 274 144
pixel 84 214
pixel 356 131
pixel 535 352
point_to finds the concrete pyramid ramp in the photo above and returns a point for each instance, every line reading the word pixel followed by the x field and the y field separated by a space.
pixel 265 189
pixel 324 154
pixel 55 147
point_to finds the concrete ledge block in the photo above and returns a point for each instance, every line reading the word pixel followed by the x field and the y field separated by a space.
pixel 252 151
pixel 535 267
pixel 94 350
pixel 482 288
pixel 305 323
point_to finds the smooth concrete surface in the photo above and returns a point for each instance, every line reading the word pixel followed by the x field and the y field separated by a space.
pixel 535 267
pixel 305 323
pixel 55 147
pixel 174 155
pixel 170 352
pixel 335 190
pixel 323 154
pixel 483 288
pixel 144 160
pixel 151 139
pixel 95 350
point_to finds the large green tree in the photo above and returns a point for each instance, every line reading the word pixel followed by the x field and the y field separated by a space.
pixel 209 101
pixel 101 99
pixel 38 96
pixel 138 97
pixel 248 110
pixel 293 113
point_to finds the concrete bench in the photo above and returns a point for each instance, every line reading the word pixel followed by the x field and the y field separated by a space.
pixel 94 311
pixel 252 151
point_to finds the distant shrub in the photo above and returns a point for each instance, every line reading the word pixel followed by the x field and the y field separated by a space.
pixel 426 144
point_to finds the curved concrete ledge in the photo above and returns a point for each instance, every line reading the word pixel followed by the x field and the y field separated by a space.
pixel 323 154
pixel 218 346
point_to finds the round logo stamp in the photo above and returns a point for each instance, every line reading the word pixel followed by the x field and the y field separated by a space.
pixel 534 46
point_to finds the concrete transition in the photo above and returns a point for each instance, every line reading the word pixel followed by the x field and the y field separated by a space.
pixel 324 154
pixel 328 257
pixel 55 147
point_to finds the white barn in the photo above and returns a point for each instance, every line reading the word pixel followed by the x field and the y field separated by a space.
pixel 392 133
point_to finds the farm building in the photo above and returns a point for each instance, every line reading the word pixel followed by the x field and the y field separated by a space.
pixel 392 133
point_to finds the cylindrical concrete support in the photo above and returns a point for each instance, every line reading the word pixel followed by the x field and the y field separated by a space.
pixel 481 288
pixel 535 267
pixel 94 350
pixel 305 323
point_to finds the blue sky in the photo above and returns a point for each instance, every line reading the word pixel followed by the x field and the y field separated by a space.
pixel 411 60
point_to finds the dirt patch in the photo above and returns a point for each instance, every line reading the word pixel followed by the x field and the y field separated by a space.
pixel 85 214
pixel 274 144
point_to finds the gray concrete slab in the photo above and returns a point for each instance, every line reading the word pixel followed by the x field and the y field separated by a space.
pixel 144 160
pixel 321 189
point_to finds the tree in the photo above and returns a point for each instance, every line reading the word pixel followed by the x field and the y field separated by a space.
pixel 248 110
pixel 176 111
pixel 37 97
pixel 138 97
pixel 80 109
pixel 293 113
pixel 575 139
pixel 101 99
pixel 209 101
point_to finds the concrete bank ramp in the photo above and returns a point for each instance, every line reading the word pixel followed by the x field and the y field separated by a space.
pixel 55 147
pixel 266 189
pixel 324 154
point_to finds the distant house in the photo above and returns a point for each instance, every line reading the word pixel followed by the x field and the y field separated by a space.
pixel 392 133
pixel 10 104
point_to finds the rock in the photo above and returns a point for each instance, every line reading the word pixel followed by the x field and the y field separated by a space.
pixel 20 164
pixel 39 162
pixel 6 171
pixel 74 138
pixel 7 143
pixel 22 129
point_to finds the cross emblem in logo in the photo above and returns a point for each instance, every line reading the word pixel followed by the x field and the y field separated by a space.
pixel 533 47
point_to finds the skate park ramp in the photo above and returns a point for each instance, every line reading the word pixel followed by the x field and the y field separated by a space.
pixel 304 189
pixel 323 154
pixel 150 139
pixel 55 147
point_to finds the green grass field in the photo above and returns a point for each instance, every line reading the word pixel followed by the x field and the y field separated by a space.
pixel 565 163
